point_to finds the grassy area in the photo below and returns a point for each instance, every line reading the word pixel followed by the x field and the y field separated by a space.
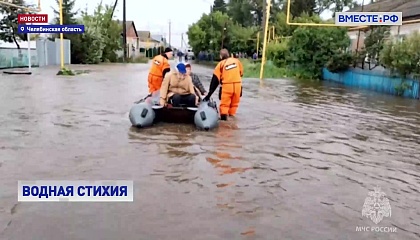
pixel 252 69
pixel 69 72
pixel 207 63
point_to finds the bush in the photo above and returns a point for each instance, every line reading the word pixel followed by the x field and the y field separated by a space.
pixel 69 72
pixel 359 57
pixel 313 48
pixel 252 70
pixel 340 62
pixel 278 53
pixel 307 52
pixel 402 57
pixel 66 72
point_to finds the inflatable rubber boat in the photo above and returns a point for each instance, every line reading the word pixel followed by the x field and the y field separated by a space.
pixel 147 112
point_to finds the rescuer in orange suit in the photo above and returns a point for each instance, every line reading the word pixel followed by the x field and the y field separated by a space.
pixel 160 67
pixel 228 73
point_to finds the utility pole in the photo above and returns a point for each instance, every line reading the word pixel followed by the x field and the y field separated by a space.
pixel 263 19
pixel 182 40
pixel 113 9
pixel 212 29
pixel 265 39
pixel 124 30
pixel 170 33
pixel 358 34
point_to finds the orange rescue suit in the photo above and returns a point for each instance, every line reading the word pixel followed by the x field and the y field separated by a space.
pixel 228 73
pixel 160 66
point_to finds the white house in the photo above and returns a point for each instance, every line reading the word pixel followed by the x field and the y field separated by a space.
pixel 410 10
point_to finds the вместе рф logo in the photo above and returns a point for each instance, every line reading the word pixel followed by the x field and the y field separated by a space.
pixel 376 206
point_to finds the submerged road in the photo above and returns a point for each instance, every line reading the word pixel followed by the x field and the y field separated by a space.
pixel 297 163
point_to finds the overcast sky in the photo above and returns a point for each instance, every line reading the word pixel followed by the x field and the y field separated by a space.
pixel 155 18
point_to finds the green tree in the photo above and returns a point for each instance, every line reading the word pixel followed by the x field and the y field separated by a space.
pixel 241 12
pixel 298 7
pixel 375 40
pixel 402 57
pixel 69 18
pixel 334 5
pixel 69 14
pixel 279 52
pixel 282 29
pixel 242 39
pixel 312 48
pixel 102 37
pixel 92 40
pixel 219 5
pixel 208 32
pixel 259 9
pixel 9 22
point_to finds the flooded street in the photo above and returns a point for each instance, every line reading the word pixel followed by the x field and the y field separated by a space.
pixel 297 163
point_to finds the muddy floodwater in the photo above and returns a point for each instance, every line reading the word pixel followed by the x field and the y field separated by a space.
pixel 297 163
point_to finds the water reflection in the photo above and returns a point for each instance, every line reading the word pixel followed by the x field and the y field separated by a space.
pixel 227 150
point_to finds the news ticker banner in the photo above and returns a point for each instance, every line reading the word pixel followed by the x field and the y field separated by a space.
pixel 368 18
pixel 68 29
pixel 75 191
pixel 32 18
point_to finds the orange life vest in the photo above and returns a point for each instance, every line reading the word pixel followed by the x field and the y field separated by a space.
pixel 229 70
pixel 155 78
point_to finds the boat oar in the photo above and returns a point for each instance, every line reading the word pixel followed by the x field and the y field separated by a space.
pixel 141 100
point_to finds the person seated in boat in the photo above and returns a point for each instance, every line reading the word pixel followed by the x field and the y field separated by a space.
pixel 178 89
pixel 196 81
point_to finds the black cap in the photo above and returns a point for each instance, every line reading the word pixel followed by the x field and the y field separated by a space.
pixel 168 50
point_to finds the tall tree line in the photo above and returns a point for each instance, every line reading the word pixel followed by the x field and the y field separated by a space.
pixel 253 12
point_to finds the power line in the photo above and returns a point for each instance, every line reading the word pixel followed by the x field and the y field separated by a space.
pixel 125 30
pixel 182 41
pixel 169 33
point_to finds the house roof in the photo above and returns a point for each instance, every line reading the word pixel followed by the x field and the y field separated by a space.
pixel 409 8
pixel 157 37
pixel 153 40
pixel 143 34
pixel 129 24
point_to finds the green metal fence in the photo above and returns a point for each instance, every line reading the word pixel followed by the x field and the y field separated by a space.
pixel 14 58
pixel 151 52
